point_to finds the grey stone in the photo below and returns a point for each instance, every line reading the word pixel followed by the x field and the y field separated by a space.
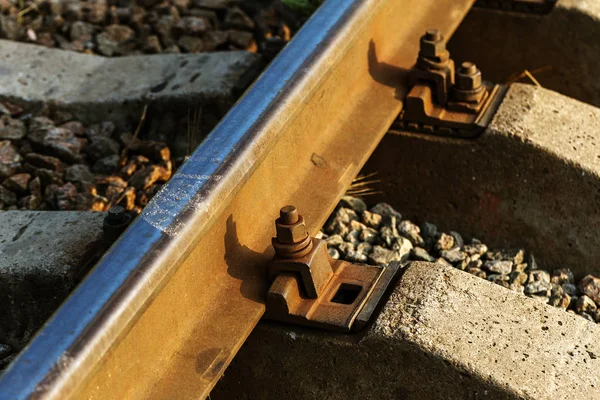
pixel 420 254
pixel 562 275
pixel 443 262
pixel 364 248
pixel 10 159
pixel 58 142
pixel 82 31
pixel 569 288
pixel 7 198
pixel 453 255
pixel 334 240
pixel 372 220
pixel 380 256
pixel 111 40
pixel 385 210
pixel 498 267
pixel 369 235
pixel 531 262
pixel 237 19
pixel 355 256
pixel 333 253
pixel 590 286
pixel 514 255
pixel 190 44
pixel 464 264
pixel 353 237
pixel 193 26
pixel 17 183
pixel 10 28
pixel 477 264
pixel 403 247
pixel 429 233
pixel 356 225
pixel 520 267
pixel 496 278
pixel 11 129
pixel 107 165
pixel 346 248
pixel 389 234
pixel 43 255
pixel 458 239
pixel 585 304
pixel 537 288
pixel 445 242
pixel 78 173
pixel 100 147
pixel 519 278
pixel 560 301
pixel 477 272
pixel 539 276
pixel 587 316
pixel 355 204
pixel 411 231
pixel 472 249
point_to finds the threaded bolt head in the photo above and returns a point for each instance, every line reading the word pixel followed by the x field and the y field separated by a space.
pixel 468 68
pixel 116 215
pixel 288 215
pixel 433 35
pixel 432 45
pixel 468 77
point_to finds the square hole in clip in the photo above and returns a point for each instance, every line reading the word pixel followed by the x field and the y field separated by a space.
pixel 346 293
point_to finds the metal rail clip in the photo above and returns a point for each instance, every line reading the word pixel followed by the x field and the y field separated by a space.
pixel 443 101
pixel 310 288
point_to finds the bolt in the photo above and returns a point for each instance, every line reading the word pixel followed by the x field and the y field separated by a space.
pixel 292 240
pixel 116 215
pixel 288 215
pixel 468 77
pixel 433 35
pixel 115 223
pixel 433 46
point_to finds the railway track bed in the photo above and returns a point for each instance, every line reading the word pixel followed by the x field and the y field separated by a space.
pixel 180 292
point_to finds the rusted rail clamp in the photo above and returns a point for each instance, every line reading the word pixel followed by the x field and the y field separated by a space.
pixel 444 101
pixel 308 287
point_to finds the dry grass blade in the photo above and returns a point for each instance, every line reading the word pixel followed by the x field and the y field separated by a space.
pixel 361 186
pixel 528 74
pixel 135 135
pixel 193 128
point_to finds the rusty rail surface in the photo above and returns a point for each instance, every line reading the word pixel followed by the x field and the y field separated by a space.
pixel 166 309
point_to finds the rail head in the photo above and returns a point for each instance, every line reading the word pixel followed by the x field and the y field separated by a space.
pixel 283 110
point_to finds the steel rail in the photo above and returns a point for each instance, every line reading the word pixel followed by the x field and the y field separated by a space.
pixel 166 309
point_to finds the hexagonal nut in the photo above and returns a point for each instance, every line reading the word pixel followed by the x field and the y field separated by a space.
pixel 291 233
pixel 468 82
pixel 432 48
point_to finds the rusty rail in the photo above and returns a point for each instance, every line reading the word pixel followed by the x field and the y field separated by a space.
pixel 166 309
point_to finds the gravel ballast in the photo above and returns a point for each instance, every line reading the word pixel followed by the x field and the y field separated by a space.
pixel 122 27
pixel 50 161
pixel 379 235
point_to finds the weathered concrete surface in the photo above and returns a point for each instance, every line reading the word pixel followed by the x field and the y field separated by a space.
pixel 503 44
pixel 532 180
pixel 95 89
pixel 444 334
pixel 43 255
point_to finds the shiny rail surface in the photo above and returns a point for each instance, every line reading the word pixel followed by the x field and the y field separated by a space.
pixel 166 309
